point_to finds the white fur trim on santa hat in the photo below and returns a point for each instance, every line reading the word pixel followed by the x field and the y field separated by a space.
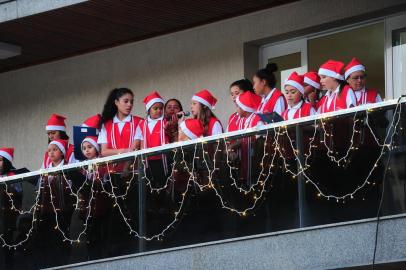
pixel 187 131
pixel 203 101
pixel 6 155
pixel 295 84
pixel 50 128
pixel 152 101
pixel 311 82
pixel 92 142
pixel 60 146
pixel 330 73
pixel 243 107
pixel 353 69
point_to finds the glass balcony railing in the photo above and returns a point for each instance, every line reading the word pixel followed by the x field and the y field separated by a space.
pixel 311 171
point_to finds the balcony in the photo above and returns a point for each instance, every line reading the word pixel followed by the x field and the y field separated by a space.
pixel 322 192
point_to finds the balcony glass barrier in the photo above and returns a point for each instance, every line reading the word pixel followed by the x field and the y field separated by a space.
pixel 312 171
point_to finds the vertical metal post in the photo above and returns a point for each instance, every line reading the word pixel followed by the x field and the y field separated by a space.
pixel 141 207
pixel 301 189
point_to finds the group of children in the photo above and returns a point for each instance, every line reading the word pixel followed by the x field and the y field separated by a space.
pixel 120 131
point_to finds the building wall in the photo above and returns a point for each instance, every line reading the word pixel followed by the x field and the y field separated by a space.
pixel 177 65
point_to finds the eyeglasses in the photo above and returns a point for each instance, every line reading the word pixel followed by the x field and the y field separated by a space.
pixel 356 78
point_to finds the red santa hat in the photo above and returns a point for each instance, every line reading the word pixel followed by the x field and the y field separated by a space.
pixel 92 121
pixel 206 98
pixel 151 99
pixel 352 66
pixel 296 81
pixel 93 141
pixel 56 122
pixel 333 69
pixel 61 144
pixel 192 128
pixel 248 101
pixel 312 78
pixel 7 153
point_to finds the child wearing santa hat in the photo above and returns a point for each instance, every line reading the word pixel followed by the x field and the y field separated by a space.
pixel 6 160
pixel 356 79
pixel 312 92
pixel 90 147
pixel 237 88
pixel 247 105
pixel 57 150
pixel 201 107
pixel 294 94
pixel 151 133
pixel 264 86
pixel 117 134
pixel 56 130
pixel 337 96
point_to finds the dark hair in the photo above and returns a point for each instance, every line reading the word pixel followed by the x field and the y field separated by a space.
pixel 342 85
pixel 267 74
pixel 244 84
pixel 7 166
pixel 110 108
pixel 173 99
pixel 64 136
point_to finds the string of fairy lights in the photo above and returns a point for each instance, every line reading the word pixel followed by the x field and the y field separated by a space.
pixel 273 150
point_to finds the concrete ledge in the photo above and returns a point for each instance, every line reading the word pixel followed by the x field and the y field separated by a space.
pixel 322 247
pixel 22 8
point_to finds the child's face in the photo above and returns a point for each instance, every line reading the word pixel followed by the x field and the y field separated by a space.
pixel 172 108
pixel 156 110
pixel 54 135
pixel 328 83
pixel 292 95
pixel 89 151
pixel 234 92
pixel 195 108
pixel 356 80
pixel 259 85
pixel 125 104
pixel 55 154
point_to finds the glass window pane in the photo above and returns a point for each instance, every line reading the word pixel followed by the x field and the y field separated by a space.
pixel 399 61
pixel 285 62
pixel 365 43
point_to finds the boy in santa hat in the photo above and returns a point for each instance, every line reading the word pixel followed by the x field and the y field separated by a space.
pixel 356 79
pixel 294 95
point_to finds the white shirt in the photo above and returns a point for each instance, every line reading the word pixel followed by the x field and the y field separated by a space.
pixel 217 129
pixel 350 101
pixel 293 109
pixel 151 126
pixel 102 139
pixel 279 105
pixel 361 94
pixel 57 166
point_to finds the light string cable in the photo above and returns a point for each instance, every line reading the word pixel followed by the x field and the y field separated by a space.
pixel 387 144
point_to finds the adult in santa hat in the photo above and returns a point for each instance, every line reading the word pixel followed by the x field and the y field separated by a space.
pixel 312 91
pixel 151 133
pixel 201 107
pixel 264 86
pixel 294 94
pixel 332 80
pixel 117 134
pixel 237 88
pixel 56 130
pixel 355 74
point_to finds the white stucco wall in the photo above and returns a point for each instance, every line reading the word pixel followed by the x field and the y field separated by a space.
pixel 176 65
